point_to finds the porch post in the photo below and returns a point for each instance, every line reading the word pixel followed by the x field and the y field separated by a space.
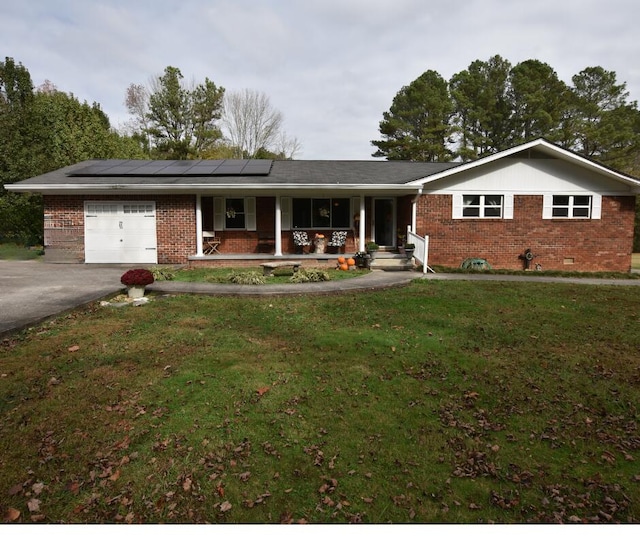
pixel 198 224
pixel 361 237
pixel 278 237
pixel 414 210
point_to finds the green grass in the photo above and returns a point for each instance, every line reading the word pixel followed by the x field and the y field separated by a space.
pixel 439 402
pixel 18 252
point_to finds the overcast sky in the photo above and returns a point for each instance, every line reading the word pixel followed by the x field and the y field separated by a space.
pixel 332 67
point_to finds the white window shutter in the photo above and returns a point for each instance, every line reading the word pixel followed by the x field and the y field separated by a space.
pixel 285 212
pixel 457 205
pixel 596 207
pixel 508 207
pixel 218 214
pixel 547 206
pixel 250 213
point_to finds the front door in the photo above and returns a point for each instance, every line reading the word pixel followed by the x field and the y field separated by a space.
pixel 384 222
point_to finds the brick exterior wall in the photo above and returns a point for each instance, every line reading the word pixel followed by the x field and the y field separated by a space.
pixel 571 245
pixel 580 245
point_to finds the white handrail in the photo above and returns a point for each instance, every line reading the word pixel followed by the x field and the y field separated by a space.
pixel 421 252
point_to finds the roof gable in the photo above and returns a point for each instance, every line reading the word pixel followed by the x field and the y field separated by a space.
pixel 535 150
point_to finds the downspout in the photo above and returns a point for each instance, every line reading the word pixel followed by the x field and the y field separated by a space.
pixel 278 228
pixel 361 235
pixel 198 224
pixel 414 210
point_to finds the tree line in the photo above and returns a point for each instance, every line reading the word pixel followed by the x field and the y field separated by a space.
pixel 43 129
pixel 493 105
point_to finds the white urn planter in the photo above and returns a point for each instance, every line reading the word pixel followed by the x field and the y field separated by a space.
pixel 135 291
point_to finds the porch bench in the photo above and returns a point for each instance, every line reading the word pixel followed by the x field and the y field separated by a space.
pixel 268 268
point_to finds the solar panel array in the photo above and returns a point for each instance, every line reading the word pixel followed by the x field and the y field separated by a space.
pixel 184 168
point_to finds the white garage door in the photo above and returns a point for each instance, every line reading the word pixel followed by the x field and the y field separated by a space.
pixel 120 232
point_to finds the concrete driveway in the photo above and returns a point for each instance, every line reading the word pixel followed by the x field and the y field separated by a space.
pixel 32 291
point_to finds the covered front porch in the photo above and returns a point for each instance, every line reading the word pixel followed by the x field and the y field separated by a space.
pixel 319 227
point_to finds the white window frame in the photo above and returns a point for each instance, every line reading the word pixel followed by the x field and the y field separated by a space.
pixel 594 208
pixel 506 207
pixel 220 213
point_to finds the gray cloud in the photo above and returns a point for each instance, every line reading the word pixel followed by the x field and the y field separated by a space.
pixel 332 67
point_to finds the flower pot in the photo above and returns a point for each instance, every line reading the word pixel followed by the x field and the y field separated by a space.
pixel 135 291
pixel 409 252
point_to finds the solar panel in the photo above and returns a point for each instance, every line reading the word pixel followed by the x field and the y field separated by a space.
pixel 164 168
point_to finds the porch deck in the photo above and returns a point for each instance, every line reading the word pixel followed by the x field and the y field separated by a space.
pixel 308 260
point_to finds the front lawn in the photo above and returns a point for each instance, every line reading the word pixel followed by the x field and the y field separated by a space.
pixel 439 402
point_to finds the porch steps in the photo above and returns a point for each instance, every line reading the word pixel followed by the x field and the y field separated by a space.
pixel 389 261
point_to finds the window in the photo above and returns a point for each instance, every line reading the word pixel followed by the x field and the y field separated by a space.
pixel 228 213
pixel 320 212
pixel 138 208
pixel 94 209
pixel 571 207
pixel 234 213
pixel 482 206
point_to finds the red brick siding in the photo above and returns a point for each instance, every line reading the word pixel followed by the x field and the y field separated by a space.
pixel 593 245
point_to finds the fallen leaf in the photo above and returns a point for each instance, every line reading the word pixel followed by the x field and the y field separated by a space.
pixel 11 515
pixel 225 506
pixel 115 476
pixel 74 348
pixel 16 489
pixel 37 488
pixel 34 505
pixel 186 484
pixel 262 391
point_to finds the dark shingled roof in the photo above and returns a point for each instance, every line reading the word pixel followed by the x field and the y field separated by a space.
pixel 203 172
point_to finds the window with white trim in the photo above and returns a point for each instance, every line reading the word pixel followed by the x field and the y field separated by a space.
pixel 487 206
pixel 482 206
pixel 571 206
pixel 321 213
pixel 230 213
pixel 234 213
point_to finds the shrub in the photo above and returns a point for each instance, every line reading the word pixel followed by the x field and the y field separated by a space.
pixel 247 278
pixel 137 277
pixel 162 273
pixel 309 275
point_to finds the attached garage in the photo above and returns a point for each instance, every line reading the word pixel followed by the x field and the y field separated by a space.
pixel 120 232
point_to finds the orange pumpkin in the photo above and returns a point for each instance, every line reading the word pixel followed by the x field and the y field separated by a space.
pixel 344 266
pixel 341 260
pixel 351 261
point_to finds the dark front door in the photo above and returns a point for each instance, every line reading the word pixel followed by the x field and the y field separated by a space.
pixel 384 222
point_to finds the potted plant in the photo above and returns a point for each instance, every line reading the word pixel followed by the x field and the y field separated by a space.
pixel 136 280
pixel 363 259
pixel 409 249
pixel 372 249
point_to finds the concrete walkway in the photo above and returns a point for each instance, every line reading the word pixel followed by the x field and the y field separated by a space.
pixel 33 291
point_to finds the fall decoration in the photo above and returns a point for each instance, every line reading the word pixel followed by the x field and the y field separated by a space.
pixel 137 277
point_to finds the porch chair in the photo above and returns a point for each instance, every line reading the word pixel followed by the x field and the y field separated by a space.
pixel 338 240
pixel 300 240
